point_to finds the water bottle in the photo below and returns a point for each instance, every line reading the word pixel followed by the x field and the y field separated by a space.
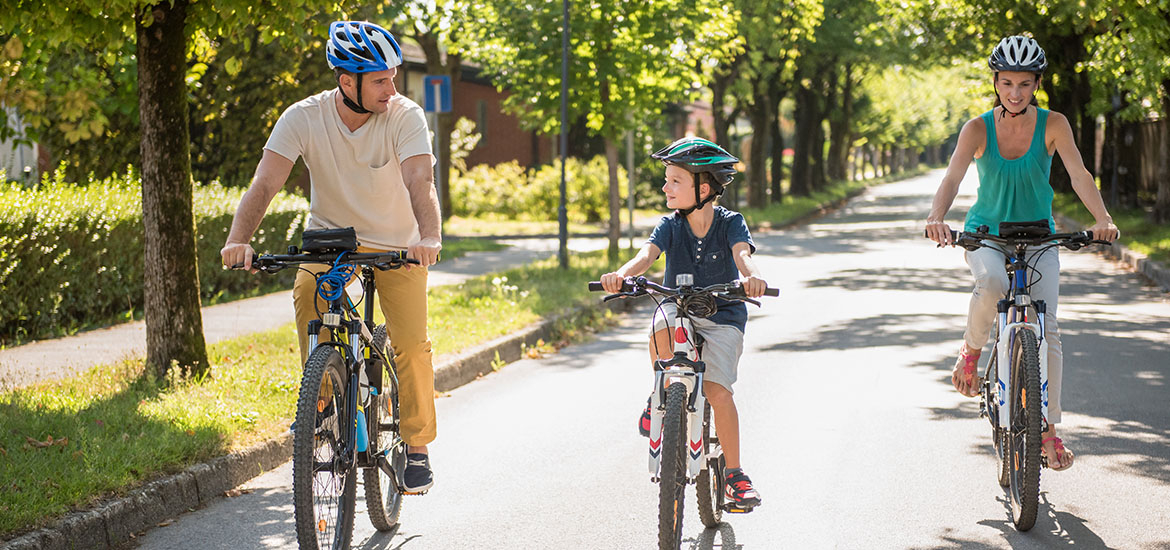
pixel 363 435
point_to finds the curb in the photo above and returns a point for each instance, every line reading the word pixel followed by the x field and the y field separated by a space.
pixel 1152 270
pixel 113 523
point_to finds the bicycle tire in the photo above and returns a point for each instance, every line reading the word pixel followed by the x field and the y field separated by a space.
pixel 709 485
pixel 1003 463
pixel 1025 434
pixel 383 497
pixel 672 478
pixel 323 501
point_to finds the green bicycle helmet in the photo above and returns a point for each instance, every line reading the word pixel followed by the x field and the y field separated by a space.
pixel 697 155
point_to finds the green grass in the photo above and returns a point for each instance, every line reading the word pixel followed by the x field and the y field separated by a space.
pixel 1137 232
pixel 112 428
pixel 488 226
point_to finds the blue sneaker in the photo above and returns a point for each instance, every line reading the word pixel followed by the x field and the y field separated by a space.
pixel 418 477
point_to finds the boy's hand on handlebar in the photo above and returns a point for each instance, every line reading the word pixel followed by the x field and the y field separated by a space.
pixel 753 286
pixel 1105 231
pixel 612 282
pixel 238 254
pixel 939 232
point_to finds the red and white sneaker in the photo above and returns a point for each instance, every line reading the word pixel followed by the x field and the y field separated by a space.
pixel 739 493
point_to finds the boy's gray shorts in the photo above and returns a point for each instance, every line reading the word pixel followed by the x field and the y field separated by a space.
pixel 723 344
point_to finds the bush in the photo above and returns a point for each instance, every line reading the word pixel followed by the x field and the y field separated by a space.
pixel 508 190
pixel 71 254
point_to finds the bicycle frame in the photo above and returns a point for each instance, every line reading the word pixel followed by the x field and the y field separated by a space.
pixel 687 367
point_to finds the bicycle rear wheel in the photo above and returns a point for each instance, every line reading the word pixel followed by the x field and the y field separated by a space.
pixel 383 497
pixel 672 477
pixel 1025 433
pixel 324 481
pixel 709 486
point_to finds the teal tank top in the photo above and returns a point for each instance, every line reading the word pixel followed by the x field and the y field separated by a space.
pixel 1015 190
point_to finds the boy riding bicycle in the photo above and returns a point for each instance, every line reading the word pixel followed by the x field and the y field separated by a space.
pixel 713 244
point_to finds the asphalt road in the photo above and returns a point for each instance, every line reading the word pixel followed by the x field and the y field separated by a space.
pixel 852 432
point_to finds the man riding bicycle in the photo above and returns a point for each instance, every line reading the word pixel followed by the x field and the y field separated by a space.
pixel 370 165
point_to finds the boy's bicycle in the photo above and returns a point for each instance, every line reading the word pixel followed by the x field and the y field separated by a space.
pixel 683 445
pixel 347 410
pixel 1015 397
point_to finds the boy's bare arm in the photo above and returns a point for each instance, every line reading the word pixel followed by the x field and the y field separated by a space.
pixel 752 278
pixel 612 282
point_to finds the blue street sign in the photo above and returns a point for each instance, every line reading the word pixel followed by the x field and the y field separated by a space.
pixel 438 93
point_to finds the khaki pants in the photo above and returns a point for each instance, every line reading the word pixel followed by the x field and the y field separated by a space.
pixel 991 283
pixel 402 295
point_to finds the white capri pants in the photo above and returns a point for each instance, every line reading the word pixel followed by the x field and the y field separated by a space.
pixel 991 283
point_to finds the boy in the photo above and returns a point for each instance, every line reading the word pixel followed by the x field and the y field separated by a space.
pixel 713 244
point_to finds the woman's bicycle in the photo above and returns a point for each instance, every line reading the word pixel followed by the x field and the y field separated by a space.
pixel 347 410
pixel 1014 398
pixel 683 445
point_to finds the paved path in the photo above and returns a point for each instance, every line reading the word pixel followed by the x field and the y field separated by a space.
pixel 61 357
pixel 852 431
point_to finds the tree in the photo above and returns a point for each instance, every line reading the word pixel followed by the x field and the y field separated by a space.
pixel 628 60
pixel 161 33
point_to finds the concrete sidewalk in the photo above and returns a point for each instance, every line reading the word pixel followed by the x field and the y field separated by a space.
pixel 62 357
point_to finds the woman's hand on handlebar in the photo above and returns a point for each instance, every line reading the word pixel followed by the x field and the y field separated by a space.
pixel 939 232
pixel 753 286
pixel 1105 231
pixel 612 282
pixel 238 256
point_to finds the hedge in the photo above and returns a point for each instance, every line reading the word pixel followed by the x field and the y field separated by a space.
pixel 71 253
pixel 508 190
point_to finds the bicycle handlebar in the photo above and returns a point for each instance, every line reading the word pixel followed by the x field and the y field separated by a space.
pixel 638 286
pixel 1071 241
pixel 271 263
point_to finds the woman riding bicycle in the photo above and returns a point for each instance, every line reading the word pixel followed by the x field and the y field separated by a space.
pixel 713 244
pixel 1013 145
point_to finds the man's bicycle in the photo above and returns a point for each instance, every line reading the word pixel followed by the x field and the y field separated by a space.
pixel 347 410
pixel 684 447
pixel 1014 395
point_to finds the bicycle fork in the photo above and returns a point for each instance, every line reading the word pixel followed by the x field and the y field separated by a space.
pixel 680 368
pixel 1009 327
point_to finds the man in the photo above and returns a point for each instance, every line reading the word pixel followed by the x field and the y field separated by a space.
pixel 369 158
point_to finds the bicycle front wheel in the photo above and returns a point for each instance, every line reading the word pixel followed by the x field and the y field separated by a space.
pixel 324 480
pixel 709 486
pixel 1025 432
pixel 383 498
pixel 672 477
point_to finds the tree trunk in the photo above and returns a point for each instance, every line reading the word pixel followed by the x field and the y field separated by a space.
pixel 777 156
pixel 615 199
pixel 760 117
pixel 429 43
pixel 801 182
pixel 1162 201
pixel 174 324
pixel 840 124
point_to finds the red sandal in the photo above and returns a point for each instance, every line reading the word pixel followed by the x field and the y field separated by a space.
pixel 963 377
pixel 1058 447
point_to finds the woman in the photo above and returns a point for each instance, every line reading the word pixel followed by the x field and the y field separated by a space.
pixel 1012 145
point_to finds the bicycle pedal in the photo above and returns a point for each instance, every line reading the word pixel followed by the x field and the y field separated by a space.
pixel 417 493
pixel 731 509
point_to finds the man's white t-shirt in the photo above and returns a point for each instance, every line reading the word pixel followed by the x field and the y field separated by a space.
pixel 356 177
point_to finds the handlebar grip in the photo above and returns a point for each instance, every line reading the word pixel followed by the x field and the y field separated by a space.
pixel 241 266
pixel 595 286
pixel 954 235
pixel 772 292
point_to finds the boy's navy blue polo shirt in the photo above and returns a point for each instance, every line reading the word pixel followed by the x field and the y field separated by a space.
pixel 709 259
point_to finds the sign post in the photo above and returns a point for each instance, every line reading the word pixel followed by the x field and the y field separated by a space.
pixel 437 100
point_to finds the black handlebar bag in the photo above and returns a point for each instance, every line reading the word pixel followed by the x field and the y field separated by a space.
pixel 329 240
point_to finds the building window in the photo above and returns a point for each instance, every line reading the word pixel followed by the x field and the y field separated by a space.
pixel 481 126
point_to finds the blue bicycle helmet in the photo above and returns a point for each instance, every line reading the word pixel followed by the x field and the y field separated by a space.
pixel 361 47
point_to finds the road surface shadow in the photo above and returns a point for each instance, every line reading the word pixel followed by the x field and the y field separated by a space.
pixel 722 537
pixel 877 331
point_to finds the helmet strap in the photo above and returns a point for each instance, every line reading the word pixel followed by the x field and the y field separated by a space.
pixel 355 107
pixel 699 203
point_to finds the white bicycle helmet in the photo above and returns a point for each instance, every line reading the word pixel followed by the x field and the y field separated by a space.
pixel 1018 53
